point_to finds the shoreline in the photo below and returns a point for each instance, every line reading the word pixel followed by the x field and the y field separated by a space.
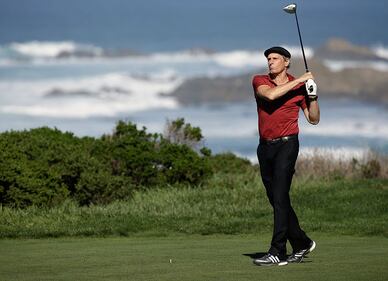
pixel 365 84
pixel 358 80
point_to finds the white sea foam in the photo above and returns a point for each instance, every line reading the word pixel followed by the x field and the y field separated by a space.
pixel 381 51
pixel 341 65
pixel 47 49
pixel 180 56
pixel 381 65
pixel 42 52
pixel 347 118
pixel 104 95
pixel 356 128
pixel 296 51
pixel 46 52
pixel 240 59
pixel 236 59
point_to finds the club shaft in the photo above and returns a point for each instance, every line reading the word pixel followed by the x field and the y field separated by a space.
pixel 301 43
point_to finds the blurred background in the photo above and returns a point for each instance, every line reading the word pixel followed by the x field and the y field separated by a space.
pixel 81 66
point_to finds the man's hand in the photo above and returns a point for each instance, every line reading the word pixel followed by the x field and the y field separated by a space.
pixel 305 76
pixel 311 88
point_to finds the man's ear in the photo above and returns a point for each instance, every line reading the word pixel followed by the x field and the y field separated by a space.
pixel 288 62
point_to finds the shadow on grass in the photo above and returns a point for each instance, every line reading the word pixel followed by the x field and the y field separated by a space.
pixel 256 255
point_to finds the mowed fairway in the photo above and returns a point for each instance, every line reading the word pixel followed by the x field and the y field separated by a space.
pixel 188 257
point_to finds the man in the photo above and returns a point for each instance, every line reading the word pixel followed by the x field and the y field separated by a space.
pixel 279 96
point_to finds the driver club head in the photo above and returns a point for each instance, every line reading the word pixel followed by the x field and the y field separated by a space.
pixel 291 8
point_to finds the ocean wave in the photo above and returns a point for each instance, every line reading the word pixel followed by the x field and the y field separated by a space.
pixel 103 95
pixel 341 129
pixel 46 52
pixel 349 118
pixel 242 58
pixel 378 64
pixel 336 66
pixel 349 129
pixel 47 49
pixel 381 51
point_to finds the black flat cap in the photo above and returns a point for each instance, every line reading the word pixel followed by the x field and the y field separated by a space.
pixel 277 50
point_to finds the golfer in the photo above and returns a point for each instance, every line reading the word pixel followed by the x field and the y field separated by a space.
pixel 278 97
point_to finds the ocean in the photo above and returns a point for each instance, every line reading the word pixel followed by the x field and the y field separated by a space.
pixel 81 66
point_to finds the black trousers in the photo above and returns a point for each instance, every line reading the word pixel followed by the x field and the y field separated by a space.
pixel 277 167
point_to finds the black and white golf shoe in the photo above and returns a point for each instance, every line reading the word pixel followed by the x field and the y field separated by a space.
pixel 269 260
pixel 298 256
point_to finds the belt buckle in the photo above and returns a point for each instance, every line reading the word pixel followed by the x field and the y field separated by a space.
pixel 280 139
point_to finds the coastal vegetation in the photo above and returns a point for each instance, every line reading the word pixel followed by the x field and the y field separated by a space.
pixel 132 182
pixel 45 166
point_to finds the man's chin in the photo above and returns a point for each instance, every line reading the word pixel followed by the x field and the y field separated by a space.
pixel 274 72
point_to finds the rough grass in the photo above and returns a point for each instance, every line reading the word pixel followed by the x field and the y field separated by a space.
pixel 327 163
pixel 228 204
pixel 193 257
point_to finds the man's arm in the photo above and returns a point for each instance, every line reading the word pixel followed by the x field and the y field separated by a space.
pixel 271 94
pixel 312 112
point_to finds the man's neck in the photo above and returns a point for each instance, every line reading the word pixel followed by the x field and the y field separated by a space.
pixel 280 78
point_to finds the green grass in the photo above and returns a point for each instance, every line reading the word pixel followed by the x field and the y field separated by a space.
pixel 228 204
pixel 193 257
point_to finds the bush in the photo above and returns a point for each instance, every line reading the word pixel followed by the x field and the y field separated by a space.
pixel 229 163
pixel 181 164
pixel 29 167
pixel 46 166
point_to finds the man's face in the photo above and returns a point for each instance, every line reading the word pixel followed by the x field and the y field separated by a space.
pixel 277 63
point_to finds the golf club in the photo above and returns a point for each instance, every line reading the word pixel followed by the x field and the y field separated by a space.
pixel 291 9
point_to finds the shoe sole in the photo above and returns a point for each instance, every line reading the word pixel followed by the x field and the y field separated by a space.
pixel 282 263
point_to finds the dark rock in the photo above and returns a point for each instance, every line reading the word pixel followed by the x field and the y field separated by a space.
pixel 360 83
pixel 339 49
pixel 55 93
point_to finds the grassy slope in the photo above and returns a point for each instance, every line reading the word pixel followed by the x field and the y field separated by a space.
pixel 228 204
pixel 194 257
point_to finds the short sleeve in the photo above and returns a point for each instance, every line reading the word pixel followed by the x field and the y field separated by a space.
pixel 259 80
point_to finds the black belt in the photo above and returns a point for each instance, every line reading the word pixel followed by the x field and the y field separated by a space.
pixel 281 139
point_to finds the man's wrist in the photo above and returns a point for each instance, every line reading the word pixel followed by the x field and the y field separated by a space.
pixel 313 98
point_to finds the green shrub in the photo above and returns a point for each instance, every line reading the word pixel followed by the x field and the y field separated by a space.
pixel 181 164
pixel 46 166
pixel 229 163
pixel 29 166
pixel 150 159
pixel 100 187
pixel 132 153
